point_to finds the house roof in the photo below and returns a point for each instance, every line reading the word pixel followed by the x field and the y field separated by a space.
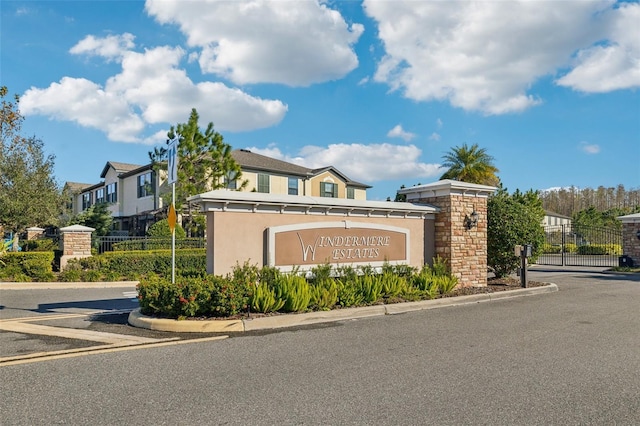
pixel 77 186
pixel 554 214
pixel 119 167
pixel 252 161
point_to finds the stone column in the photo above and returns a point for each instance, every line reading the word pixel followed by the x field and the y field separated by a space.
pixel 75 243
pixel 35 233
pixel 631 237
pixel 460 242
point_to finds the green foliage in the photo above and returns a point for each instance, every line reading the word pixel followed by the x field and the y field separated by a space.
pixel 43 244
pixel 445 283
pixel 131 265
pixel 324 294
pixel 158 244
pixel 161 229
pixel 268 290
pixel 393 285
pixel 27 266
pixel 295 291
pixel 192 297
pixel 512 220
pixel 470 164
pixel 264 299
pixel 600 249
pixel 370 287
pixel 97 217
pixel 29 195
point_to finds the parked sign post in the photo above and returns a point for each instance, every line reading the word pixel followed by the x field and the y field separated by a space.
pixel 172 178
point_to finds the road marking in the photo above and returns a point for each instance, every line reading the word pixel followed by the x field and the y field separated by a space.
pixel 72 353
pixel 132 295
pixel 73 333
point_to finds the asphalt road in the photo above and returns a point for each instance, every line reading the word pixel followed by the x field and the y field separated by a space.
pixel 569 357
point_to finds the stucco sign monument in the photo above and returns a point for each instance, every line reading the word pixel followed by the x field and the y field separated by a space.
pixel 348 242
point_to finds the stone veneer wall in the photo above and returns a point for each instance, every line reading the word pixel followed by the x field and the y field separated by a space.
pixel 630 241
pixel 464 249
pixel 75 243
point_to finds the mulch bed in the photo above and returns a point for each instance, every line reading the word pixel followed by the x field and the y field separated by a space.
pixel 494 285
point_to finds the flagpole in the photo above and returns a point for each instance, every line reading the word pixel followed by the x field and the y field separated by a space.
pixel 173 237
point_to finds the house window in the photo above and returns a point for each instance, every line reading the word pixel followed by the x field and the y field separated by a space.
pixel 263 183
pixel 351 193
pixel 231 180
pixel 99 195
pixel 293 186
pixel 328 189
pixel 86 200
pixel 145 185
pixel 112 193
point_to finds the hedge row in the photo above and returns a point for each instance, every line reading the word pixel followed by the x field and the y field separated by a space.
pixel 571 248
pixel 158 244
pixel 27 266
pixel 132 265
pixel 251 289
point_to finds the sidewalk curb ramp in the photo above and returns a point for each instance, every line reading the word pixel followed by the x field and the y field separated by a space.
pixel 137 319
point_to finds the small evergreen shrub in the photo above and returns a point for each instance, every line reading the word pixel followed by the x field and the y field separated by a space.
pixel 27 266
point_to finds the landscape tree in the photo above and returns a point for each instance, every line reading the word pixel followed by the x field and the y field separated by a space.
pixel 205 163
pixel 29 194
pixel 512 220
pixel 470 164
pixel 97 217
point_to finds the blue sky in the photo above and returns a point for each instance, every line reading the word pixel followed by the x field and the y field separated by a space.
pixel 379 89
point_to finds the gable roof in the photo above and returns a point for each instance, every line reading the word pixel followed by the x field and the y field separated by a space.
pixel 118 167
pixel 76 186
pixel 248 160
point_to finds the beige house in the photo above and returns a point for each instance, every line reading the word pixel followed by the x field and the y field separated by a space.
pixel 134 192
pixel 270 176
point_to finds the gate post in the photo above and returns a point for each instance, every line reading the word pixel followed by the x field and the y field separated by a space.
pixel 631 236
pixel 75 243
pixel 460 226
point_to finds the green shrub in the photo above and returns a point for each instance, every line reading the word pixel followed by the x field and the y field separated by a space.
pixel 426 283
pixel 569 248
pixel 348 293
pixel 324 294
pixel 295 291
pixel 191 297
pixel 393 285
pixel 370 287
pixel 27 266
pixel 446 283
pixel 600 249
pixel 264 299
pixel 547 248
pixel 158 244
pixel 161 229
pixel 44 244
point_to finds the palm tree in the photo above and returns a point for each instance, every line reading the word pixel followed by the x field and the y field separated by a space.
pixel 470 164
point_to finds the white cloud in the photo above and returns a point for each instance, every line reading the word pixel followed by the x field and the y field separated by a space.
pixel 111 47
pixel 481 56
pixel 364 163
pixel 434 136
pixel 150 89
pixel 613 66
pixel 399 132
pixel 294 43
pixel 589 148
pixel 439 123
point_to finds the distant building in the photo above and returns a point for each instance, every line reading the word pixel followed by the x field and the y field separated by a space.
pixel 552 220
pixel 134 192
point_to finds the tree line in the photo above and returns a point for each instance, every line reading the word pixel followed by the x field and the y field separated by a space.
pixel 570 201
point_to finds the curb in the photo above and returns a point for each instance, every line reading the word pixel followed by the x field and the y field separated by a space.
pixel 137 319
pixel 66 285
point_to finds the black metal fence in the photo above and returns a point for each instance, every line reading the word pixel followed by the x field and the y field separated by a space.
pixel 125 243
pixel 571 245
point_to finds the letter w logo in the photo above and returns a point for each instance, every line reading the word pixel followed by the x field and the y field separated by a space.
pixel 307 249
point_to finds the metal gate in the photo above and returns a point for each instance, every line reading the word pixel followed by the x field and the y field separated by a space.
pixel 572 245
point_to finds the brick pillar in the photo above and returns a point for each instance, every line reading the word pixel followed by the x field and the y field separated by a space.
pixel 464 248
pixel 35 233
pixel 75 243
pixel 630 240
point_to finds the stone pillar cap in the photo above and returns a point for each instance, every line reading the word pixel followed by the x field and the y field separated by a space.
pixel 447 187
pixel 77 228
pixel 630 218
pixel 35 228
